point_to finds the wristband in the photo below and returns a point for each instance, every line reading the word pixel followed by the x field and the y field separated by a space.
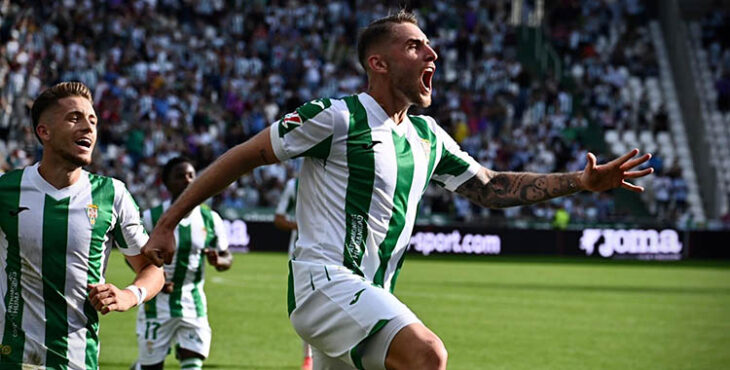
pixel 139 292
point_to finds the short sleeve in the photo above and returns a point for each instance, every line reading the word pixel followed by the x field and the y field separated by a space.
pixel 306 132
pixel 129 233
pixel 455 166
pixel 147 220
pixel 220 233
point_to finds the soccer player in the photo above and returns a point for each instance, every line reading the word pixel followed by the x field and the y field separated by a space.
pixel 286 207
pixel 57 226
pixel 178 314
pixel 366 165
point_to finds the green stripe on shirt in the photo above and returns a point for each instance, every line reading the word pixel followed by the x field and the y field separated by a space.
pixel 55 240
pixel 361 166
pixel 404 160
pixel 184 246
pixel 150 307
pixel 13 334
pixel 450 163
pixel 210 242
pixel 102 195
pixel 426 134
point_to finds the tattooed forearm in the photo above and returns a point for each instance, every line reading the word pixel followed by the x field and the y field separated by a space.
pixel 506 189
pixel 265 158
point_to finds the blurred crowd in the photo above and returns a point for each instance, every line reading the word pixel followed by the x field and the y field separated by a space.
pixel 197 77
pixel 716 40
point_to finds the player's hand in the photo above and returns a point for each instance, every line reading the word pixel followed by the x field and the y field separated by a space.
pixel 615 173
pixel 168 287
pixel 221 261
pixel 106 298
pixel 212 256
pixel 160 247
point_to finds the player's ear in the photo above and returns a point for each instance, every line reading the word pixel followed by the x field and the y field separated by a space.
pixel 377 63
pixel 42 131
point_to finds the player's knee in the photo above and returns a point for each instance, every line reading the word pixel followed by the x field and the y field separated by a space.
pixel 159 366
pixel 423 351
pixel 184 354
pixel 431 355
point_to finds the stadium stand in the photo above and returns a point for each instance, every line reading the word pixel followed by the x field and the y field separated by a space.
pixel 710 61
pixel 173 77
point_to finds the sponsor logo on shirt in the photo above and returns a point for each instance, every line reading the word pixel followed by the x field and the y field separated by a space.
pixel 369 146
pixel 13 305
pixel 289 122
pixel 17 212
pixel 356 236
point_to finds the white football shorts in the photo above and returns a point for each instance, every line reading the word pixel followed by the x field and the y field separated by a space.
pixel 155 337
pixel 336 311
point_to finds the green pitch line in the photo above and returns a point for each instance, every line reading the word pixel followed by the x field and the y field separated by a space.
pixel 492 313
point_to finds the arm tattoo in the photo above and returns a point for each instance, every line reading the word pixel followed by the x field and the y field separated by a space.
pixel 507 189
pixel 264 158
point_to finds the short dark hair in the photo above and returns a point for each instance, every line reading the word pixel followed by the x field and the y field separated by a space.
pixel 376 32
pixel 172 163
pixel 55 93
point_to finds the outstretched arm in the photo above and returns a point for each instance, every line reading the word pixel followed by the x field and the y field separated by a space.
pixel 505 189
pixel 236 162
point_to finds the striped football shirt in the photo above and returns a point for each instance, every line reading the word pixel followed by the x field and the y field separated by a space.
pixel 202 228
pixel 362 180
pixel 53 242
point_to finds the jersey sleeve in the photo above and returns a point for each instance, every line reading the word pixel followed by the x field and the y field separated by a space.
pixel 286 197
pixel 455 166
pixel 129 234
pixel 306 132
pixel 147 220
pixel 220 233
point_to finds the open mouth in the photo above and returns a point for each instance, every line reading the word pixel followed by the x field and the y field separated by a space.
pixel 83 142
pixel 427 78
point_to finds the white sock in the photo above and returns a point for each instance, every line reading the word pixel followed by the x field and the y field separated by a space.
pixel 306 349
pixel 191 364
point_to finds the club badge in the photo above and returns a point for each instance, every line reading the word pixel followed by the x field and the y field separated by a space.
pixel 92 211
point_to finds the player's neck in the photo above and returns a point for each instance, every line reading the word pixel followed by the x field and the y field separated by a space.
pixel 395 106
pixel 58 172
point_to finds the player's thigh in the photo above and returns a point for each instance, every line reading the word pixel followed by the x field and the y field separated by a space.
pixel 194 335
pixel 320 361
pixel 371 353
pixel 154 338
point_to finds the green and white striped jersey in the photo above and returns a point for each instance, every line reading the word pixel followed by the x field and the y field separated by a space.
pixel 53 242
pixel 202 228
pixel 362 179
pixel 286 207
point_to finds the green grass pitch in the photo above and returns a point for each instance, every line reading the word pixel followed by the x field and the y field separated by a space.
pixel 492 313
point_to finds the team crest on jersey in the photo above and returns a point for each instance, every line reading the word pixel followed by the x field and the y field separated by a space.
pixel 92 212
pixel 289 122
pixel 426 145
